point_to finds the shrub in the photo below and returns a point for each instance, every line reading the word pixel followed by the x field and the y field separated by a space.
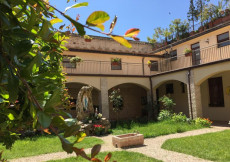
pixel 165 115
pixel 167 102
pixel 179 117
pixel 203 121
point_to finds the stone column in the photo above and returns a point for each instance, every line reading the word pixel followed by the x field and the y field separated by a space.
pixel 150 109
pixel 104 98
pixel 196 109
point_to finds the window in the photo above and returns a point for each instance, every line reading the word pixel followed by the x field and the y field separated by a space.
pixel 173 55
pixel 116 64
pixel 223 40
pixel 154 65
pixel 216 93
pixel 169 89
pixel 67 64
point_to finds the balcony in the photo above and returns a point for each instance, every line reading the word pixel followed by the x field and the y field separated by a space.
pixel 198 57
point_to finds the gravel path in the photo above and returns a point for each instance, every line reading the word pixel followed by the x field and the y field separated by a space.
pixel 151 148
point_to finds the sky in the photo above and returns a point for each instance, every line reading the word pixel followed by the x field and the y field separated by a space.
pixel 143 14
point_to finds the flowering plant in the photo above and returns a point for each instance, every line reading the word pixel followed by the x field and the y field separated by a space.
pixel 99 129
pixel 203 121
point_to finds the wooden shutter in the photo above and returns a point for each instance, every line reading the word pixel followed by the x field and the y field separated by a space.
pixel 216 93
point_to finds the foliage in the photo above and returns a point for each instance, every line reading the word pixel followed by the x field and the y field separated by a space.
pixel 1 159
pixel 116 99
pixel 99 129
pixel 187 50
pixel 31 78
pixel 123 156
pixel 203 121
pixel 116 59
pixel 210 146
pixel 75 59
pixel 165 115
pixel 192 14
pixel 180 117
pixel 167 102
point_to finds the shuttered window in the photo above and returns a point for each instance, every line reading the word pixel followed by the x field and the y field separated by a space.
pixel 223 39
pixel 216 93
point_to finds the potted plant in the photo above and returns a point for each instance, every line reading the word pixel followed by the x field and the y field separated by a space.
pixel 87 38
pixel 99 129
pixel 75 59
pixel 227 15
pixel 149 64
pixel 116 61
pixel 188 52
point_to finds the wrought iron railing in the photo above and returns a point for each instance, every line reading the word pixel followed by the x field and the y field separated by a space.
pixel 198 57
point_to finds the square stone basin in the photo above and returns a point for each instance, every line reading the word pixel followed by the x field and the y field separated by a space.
pixel 126 140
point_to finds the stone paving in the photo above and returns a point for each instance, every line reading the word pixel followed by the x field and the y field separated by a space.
pixel 151 148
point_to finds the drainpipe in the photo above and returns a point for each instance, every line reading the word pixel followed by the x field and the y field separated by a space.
pixel 143 66
pixel 151 95
pixel 190 95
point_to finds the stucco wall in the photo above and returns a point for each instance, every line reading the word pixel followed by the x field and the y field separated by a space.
pixel 216 113
pixel 132 109
pixel 181 99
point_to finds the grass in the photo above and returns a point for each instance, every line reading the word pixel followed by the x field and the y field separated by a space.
pixel 43 145
pixel 211 146
pixel 121 156
pixel 154 129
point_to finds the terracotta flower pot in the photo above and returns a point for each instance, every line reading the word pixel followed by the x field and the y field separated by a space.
pixel 192 33
pixel 217 21
pixel 226 18
pixel 188 54
pixel 87 40
pixel 115 63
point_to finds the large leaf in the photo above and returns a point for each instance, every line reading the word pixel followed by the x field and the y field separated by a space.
pixel 44 119
pixel 56 20
pixel 97 17
pixel 108 157
pixel 66 145
pixel 80 136
pixel 112 25
pixel 83 4
pixel 132 32
pixel 79 27
pixel 95 150
pixel 13 84
pixel 122 41
pixel 58 121
pixel 72 130
pixel 55 99
pixel 44 32
pixel 80 152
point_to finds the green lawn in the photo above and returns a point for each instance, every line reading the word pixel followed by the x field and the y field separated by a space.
pixel 119 156
pixel 43 145
pixel 211 146
pixel 154 129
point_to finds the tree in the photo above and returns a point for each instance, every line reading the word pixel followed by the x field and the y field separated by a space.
pixel 31 78
pixel 200 5
pixel 117 100
pixel 192 14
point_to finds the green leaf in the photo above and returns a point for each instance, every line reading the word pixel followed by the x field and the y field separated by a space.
pixel 79 27
pixel 72 130
pixel 44 119
pixel 95 150
pixel 122 41
pixel 83 4
pixel 13 84
pixel 44 32
pixel 55 99
pixel 35 63
pixel 11 116
pixel 56 20
pixel 97 17
pixel 66 145
pixel 70 121
pixel 58 121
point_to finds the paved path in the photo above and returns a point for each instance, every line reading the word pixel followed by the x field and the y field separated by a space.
pixel 151 148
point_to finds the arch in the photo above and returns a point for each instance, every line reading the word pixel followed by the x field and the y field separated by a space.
pixel 83 84
pixel 178 76
pixel 203 74
pixel 142 82
pixel 93 81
